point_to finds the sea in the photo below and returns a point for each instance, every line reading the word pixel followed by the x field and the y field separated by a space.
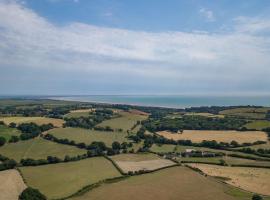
pixel 172 101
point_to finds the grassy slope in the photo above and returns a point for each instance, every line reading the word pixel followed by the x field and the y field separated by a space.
pixel 64 179
pixel 87 136
pixel 7 132
pixel 258 124
pixel 253 113
pixel 38 148
pixel 169 184
pixel 125 122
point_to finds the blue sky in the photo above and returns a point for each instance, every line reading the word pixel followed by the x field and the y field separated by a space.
pixel 134 47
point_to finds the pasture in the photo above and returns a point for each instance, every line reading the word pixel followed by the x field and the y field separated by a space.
pixel 64 179
pixel 255 180
pixel 137 162
pixel 169 184
pixel 79 113
pixel 37 120
pixel 11 184
pixel 87 136
pixel 251 113
pixel 258 124
pixel 38 148
pixel 7 132
pixel 198 136
pixel 125 122
pixel 210 115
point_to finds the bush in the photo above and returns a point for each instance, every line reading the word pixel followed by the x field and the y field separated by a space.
pixel 31 194
pixel 256 197
pixel 2 141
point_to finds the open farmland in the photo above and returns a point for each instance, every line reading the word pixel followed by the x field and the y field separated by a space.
pixel 7 132
pixel 38 148
pixel 137 162
pixel 37 120
pixel 11 184
pixel 125 122
pixel 198 136
pixel 79 113
pixel 64 179
pixel 252 113
pixel 251 179
pixel 205 115
pixel 258 124
pixel 87 136
pixel 169 184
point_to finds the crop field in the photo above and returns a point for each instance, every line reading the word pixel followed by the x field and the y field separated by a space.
pixel 252 113
pixel 37 120
pixel 63 179
pixel 169 184
pixel 79 113
pixel 11 184
pixel 137 162
pixel 38 148
pixel 220 136
pixel 258 124
pixel 251 179
pixel 126 121
pixel 205 115
pixel 87 136
pixel 165 148
pixel 7 132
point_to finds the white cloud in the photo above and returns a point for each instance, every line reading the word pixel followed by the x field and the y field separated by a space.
pixel 176 59
pixel 252 25
pixel 208 14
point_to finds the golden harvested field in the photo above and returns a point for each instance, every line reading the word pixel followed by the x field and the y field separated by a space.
pixel 137 162
pixel 37 120
pixel 11 184
pixel 251 179
pixel 38 148
pixel 220 136
pixel 126 121
pixel 63 179
pixel 87 136
pixel 169 184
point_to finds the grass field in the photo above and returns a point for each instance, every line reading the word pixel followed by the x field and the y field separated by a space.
pixel 7 132
pixel 252 113
pixel 205 115
pixel 169 184
pixel 79 113
pixel 126 121
pixel 64 179
pixel 198 136
pixel 11 184
pixel 137 162
pixel 258 124
pixel 251 179
pixel 165 148
pixel 37 120
pixel 38 148
pixel 87 136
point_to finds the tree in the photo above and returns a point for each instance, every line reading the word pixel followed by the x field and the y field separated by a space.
pixel 12 125
pixel 14 139
pixel 116 145
pixel 31 194
pixel 2 141
pixel 256 197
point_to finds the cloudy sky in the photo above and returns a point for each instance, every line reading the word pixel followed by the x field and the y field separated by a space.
pixel 134 47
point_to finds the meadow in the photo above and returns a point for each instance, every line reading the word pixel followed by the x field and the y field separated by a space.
pixel 169 184
pixel 258 124
pixel 79 113
pixel 37 120
pixel 125 121
pixel 251 113
pixel 38 148
pixel 7 132
pixel 255 180
pixel 11 184
pixel 198 136
pixel 64 179
pixel 87 136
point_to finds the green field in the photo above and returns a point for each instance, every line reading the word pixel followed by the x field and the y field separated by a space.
pixel 37 120
pixel 87 136
pixel 79 113
pixel 38 148
pixel 63 179
pixel 258 124
pixel 252 113
pixel 165 148
pixel 126 121
pixel 169 184
pixel 7 132
pixel 135 157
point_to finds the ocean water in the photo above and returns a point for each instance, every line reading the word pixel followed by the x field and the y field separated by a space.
pixel 173 101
